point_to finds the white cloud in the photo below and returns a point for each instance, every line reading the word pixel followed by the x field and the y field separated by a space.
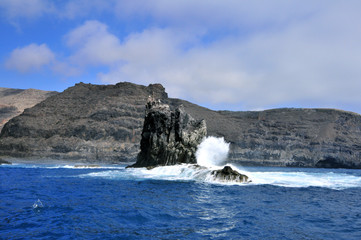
pixel 25 9
pixel 229 14
pixel 254 54
pixel 30 58
pixel 313 59
pixel 210 73
pixel 84 8
pixel 65 69
pixel 93 44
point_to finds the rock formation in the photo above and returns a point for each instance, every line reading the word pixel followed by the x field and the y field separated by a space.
pixel 169 137
pixel 91 123
pixel 297 138
pixel 104 123
pixel 227 174
pixel 14 101
pixel 2 161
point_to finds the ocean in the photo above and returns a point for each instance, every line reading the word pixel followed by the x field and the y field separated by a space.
pixel 65 201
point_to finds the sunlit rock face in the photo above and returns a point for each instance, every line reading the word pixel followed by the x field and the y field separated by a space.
pixel 85 123
pixel 169 137
pixel 14 101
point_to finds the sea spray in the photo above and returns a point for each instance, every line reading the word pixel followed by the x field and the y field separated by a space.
pixel 38 204
pixel 212 152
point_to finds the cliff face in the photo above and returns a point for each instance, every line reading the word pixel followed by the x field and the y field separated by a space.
pixel 104 123
pixel 85 122
pixel 14 101
pixel 296 137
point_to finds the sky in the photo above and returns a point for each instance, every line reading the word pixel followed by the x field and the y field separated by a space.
pixel 221 54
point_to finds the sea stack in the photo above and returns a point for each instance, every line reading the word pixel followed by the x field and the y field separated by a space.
pixel 168 137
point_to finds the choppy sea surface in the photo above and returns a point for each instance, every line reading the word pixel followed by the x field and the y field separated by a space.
pixel 49 201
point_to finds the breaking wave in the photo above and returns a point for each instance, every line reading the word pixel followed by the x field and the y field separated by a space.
pixel 333 179
pixel 212 152
pixel 282 177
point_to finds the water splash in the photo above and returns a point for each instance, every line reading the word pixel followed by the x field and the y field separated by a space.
pixel 298 178
pixel 38 205
pixel 212 152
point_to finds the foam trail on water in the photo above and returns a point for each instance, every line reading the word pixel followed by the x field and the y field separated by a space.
pixel 297 178
pixel 338 180
pixel 212 152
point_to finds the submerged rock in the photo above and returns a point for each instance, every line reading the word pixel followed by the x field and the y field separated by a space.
pixel 227 174
pixel 168 137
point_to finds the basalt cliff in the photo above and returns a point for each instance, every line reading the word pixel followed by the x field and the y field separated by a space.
pixel 169 137
pixel 104 123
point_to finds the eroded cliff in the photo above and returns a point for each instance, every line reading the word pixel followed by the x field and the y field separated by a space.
pixel 85 122
pixel 104 123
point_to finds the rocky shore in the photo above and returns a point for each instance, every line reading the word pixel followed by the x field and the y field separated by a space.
pixel 103 123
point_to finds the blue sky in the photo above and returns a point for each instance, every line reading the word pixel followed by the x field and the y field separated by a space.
pixel 229 54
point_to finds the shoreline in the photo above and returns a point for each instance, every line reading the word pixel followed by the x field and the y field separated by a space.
pixel 83 163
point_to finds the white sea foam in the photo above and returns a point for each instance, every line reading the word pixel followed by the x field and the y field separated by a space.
pixel 183 172
pixel 212 152
pixel 38 204
pixel 332 180
pixel 69 166
pixel 335 179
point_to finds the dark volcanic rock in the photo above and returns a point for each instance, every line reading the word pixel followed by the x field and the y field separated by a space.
pixel 85 122
pixel 104 123
pixel 2 161
pixel 295 137
pixel 227 174
pixel 331 162
pixel 169 137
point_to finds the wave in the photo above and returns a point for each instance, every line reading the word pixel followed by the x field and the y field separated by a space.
pixel 331 179
pixel 183 172
pixel 65 166
pixel 212 154
pixel 283 177
pixel 299 178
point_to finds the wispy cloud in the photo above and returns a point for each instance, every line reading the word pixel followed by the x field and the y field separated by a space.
pixel 13 9
pixel 254 54
pixel 93 44
pixel 30 58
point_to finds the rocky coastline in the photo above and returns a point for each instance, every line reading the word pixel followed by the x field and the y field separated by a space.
pixel 2 161
pixel 172 138
pixel 103 123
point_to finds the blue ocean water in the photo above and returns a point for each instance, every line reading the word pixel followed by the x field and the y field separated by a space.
pixel 47 201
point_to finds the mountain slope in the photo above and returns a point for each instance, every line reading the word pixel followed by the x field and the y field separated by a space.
pixel 14 101
pixel 104 122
